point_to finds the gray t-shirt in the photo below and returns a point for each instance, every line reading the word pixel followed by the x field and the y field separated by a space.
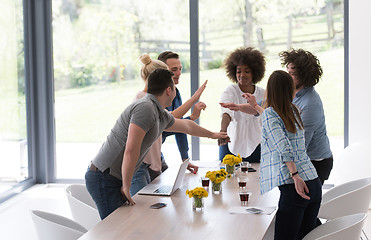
pixel 148 114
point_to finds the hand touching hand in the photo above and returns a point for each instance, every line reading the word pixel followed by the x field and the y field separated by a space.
pixel 223 141
pixel 250 98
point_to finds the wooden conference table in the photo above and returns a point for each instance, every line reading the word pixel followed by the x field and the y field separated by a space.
pixel 178 220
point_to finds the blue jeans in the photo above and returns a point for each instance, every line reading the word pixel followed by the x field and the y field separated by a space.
pixel 140 179
pixel 297 216
pixel 253 158
pixel 105 190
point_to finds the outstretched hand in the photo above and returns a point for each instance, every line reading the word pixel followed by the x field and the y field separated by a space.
pixel 223 141
pixel 219 135
pixel 232 106
pixel 197 110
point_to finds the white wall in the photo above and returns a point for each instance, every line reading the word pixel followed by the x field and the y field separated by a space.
pixel 359 71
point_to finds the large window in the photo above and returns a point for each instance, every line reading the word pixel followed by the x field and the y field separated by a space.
pixel 97 45
pixel 96 49
pixel 13 132
pixel 272 27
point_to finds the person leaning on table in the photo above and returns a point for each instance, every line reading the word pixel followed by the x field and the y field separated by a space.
pixel 151 165
pixel 110 173
pixel 284 162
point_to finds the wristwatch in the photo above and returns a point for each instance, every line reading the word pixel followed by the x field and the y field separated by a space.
pixel 293 174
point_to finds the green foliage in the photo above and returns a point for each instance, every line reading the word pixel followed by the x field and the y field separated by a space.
pixel 217 63
pixel 94 46
pixel 82 76
pixel 88 114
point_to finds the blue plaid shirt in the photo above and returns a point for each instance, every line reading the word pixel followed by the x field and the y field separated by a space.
pixel 279 146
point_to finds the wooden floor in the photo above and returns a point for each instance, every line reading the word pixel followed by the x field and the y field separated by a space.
pixel 14 213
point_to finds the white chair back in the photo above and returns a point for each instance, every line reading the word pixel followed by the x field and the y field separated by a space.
pixel 353 163
pixel 52 226
pixel 83 208
pixel 347 227
pixel 346 199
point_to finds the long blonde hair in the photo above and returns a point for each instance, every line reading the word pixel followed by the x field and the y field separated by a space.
pixel 279 96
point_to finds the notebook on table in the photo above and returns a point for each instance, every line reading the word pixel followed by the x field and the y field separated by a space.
pixel 166 190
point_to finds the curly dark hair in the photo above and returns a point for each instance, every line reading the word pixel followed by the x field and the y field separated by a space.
pixel 248 56
pixel 307 66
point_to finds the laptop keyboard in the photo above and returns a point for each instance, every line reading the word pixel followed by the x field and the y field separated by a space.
pixel 163 189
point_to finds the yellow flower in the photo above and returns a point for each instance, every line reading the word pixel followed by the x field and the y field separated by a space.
pixel 231 159
pixel 217 176
pixel 228 159
pixel 238 159
pixel 197 192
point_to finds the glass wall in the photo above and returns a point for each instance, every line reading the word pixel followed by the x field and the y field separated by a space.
pixel 97 45
pixel 13 132
pixel 272 27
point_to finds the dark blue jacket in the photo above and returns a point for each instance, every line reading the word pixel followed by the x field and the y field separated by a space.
pixel 181 138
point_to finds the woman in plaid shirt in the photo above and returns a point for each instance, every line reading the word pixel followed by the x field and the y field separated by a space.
pixel 284 161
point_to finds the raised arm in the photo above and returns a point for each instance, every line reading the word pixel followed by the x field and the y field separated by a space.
pixel 244 107
pixel 183 109
pixel 131 156
pixel 191 128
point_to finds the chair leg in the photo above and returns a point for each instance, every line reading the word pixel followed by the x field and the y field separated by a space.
pixel 364 234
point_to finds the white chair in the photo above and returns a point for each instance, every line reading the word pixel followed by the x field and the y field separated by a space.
pixel 52 226
pixel 347 227
pixel 83 208
pixel 354 162
pixel 346 199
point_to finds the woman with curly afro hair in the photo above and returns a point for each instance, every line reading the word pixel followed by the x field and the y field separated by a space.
pixel 306 71
pixel 245 67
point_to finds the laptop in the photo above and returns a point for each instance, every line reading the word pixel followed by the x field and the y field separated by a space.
pixel 166 190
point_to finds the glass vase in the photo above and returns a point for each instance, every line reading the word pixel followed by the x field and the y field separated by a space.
pixel 230 169
pixel 216 187
pixel 198 203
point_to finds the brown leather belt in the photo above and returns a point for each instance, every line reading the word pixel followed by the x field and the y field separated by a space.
pixel 93 168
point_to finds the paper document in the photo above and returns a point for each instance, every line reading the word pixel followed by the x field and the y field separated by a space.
pixel 252 210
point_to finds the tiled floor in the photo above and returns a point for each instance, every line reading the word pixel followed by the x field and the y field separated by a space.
pixel 16 222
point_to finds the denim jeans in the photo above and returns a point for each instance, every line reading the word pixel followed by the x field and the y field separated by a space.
pixel 253 158
pixel 297 216
pixel 105 190
pixel 140 179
